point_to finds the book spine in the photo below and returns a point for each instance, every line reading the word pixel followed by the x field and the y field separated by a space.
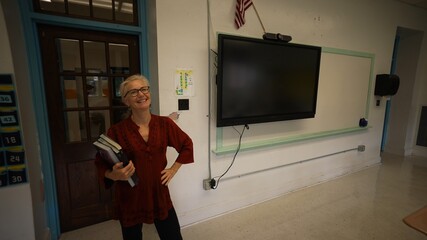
pixel 133 180
pixel 105 149
pixel 123 158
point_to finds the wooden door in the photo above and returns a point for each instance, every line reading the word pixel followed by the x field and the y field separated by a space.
pixel 82 71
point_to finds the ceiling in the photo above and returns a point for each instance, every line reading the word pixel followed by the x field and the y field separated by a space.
pixel 418 3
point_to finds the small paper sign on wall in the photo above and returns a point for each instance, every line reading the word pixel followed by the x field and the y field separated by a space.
pixel 184 85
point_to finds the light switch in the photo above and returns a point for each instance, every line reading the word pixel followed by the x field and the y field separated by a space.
pixel 183 104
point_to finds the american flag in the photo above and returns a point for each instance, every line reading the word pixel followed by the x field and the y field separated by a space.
pixel 241 7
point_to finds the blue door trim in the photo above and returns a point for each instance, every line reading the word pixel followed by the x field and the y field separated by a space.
pixel 30 19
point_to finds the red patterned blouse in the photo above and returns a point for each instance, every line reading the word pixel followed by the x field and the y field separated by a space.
pixel 149 199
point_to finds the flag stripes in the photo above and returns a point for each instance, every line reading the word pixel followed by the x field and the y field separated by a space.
pixel 241 7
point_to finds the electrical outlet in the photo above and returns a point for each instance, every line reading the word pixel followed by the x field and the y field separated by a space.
pixel 207 184
pixel 361 148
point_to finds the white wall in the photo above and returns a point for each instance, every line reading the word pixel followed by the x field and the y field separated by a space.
pixel 183 29
pixel 16 218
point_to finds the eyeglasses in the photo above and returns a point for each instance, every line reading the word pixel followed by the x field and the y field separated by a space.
pixel 134 92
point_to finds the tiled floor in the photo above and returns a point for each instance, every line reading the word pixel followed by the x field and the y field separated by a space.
pixel 369 204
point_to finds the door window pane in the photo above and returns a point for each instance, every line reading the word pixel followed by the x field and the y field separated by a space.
pixel 95 57
pixel 97 91
pixel 79 7
pixel 116 97
pixel 119 58
pixel 72 91
pixel 68 55
pixel 100 10
pixel 124 10
pixel 99 122
pixel 75 126
pixel 52 5
pixel 120 114
pixel 103 9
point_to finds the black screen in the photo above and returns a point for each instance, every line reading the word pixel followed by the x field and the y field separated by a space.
pixel 264 81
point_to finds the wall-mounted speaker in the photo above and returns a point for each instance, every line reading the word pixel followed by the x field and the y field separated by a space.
pixel 386 84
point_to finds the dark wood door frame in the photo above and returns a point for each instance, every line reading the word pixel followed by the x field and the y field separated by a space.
pixel 73 175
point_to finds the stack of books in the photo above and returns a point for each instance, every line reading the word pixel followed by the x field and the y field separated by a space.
pixel 111 152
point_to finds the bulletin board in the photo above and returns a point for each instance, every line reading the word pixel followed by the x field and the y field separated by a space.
pixel 12 154
pixel 344 91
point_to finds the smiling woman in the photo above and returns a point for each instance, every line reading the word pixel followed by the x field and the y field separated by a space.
pixel 136 89
pixel 144 138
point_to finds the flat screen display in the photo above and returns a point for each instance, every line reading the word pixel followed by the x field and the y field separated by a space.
pixel 264 81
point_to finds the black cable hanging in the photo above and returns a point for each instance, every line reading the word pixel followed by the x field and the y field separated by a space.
pixel 214 183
